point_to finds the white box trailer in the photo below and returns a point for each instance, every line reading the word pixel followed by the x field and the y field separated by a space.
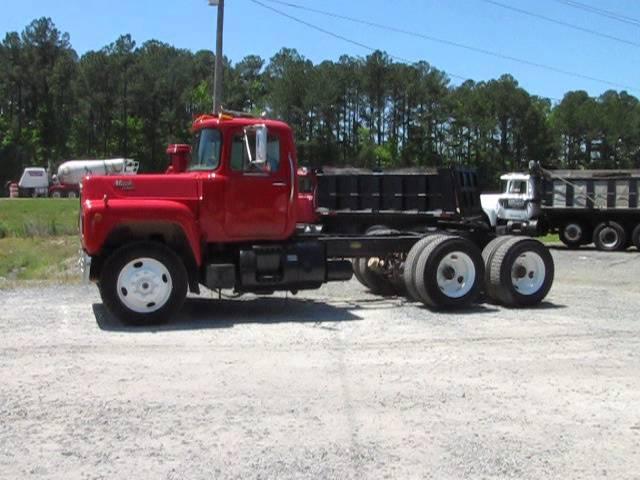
pixel 34 182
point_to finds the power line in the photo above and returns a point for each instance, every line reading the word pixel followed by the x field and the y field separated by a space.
pixel 340 37
pixel 561 22
pixel 601 11
pixel 430 38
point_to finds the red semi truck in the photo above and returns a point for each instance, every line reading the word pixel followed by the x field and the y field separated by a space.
pixel 229 214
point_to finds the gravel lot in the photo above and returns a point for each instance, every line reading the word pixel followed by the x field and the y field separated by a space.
pixel 329 384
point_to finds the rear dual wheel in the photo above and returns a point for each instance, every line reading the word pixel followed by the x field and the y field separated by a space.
pixel 609 237
pixel 519 271
pixel 375 281
pixel 444 271
pixel 372 278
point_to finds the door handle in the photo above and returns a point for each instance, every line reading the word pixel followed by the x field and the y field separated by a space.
pixel 279 184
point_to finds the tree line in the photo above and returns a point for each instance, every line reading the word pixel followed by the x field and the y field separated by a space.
pixel 129 100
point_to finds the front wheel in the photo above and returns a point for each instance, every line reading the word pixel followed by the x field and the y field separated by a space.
pixel 449 273
pixel 143 284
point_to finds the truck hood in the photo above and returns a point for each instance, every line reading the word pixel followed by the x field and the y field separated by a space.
pixel 490 200
pixel 160 186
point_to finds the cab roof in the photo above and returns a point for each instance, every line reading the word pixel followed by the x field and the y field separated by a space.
pixel 515 176
pixel 235 119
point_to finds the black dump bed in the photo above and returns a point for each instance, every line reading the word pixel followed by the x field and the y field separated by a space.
pixel 591 189
pixel 356 199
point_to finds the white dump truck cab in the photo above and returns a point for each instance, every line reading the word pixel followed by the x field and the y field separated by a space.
pixel 517 206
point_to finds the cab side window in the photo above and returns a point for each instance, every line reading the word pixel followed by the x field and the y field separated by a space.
pixel 240 159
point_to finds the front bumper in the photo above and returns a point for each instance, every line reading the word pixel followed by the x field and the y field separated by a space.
pixel 84 262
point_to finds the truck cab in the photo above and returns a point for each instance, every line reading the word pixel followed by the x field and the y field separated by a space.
pixel 517 206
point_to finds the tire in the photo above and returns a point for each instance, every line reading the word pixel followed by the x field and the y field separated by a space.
pixel 411 263
pixel 56 194
pixel 147 266
pixel 355 265
pixel 635 237
pixel 373 281
pixel 574 235
pixel 72 194
pixel 376 283
pixel 449 273
pixel 520 273
pixel 487 257
pixel 609 237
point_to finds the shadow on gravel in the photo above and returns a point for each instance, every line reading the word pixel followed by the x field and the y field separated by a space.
pixel 546 305
pixel 205 313
pixel 591 248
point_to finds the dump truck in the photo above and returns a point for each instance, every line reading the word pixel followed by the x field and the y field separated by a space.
pixel 228 214
pixel 581 206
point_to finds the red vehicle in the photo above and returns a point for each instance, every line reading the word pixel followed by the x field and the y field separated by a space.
pixel 228 214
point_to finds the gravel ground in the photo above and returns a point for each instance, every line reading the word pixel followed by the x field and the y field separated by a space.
pixel 329 384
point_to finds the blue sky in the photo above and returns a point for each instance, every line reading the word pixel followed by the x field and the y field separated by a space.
pixel 250 29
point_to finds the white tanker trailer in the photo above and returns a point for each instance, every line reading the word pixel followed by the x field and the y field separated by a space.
pixel 71 173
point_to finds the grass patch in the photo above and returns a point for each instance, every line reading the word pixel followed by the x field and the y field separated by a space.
pixel 550 238
pixel 38 258
pixel 38 217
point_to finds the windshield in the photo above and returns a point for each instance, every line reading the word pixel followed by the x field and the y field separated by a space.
pixel 517 186
pixel 207 146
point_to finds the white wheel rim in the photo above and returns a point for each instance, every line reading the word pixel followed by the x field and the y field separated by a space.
pixel 573 232
pixel 56 195
pixel 71 195
pixel 608 237
pixel 456 274
pixel 528 273
pixel 144 285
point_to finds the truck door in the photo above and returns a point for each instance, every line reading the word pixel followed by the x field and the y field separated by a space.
pixel 257 199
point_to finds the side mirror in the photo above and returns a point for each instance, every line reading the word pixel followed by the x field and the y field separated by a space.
pixel 261 144
pixel 260 157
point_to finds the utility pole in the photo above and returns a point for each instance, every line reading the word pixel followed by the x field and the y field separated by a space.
pixel 217 81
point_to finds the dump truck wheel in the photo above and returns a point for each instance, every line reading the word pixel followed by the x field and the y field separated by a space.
pixel 143 283
pixel 449 273
pixel 609 237
pixel 521 272
pixel 574 235
pixel 635 237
